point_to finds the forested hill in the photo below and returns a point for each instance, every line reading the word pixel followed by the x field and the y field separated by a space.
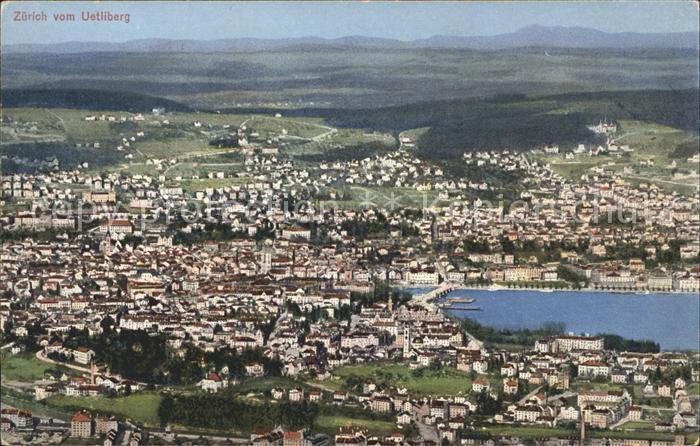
pixel 87 99
pixel 519 122
pixel 353 77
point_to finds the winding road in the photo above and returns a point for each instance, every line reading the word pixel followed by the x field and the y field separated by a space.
pixel 42 357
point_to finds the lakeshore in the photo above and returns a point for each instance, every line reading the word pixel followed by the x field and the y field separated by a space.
pixel 415 288
pixel 672 321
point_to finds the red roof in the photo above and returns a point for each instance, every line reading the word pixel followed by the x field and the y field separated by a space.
pixel 595 364
pixel 296 229
pixel 82 417
pixel 116 223
pixel 214 377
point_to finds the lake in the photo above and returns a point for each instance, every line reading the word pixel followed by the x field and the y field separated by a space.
pixel 672 320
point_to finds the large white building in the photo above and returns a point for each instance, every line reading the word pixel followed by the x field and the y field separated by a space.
pixel 83 355
pixel 359 340
pixel 557 344
pixel 427 276
pixel 116 227
pixel 296 232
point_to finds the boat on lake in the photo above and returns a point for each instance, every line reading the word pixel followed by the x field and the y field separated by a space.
pixel 460 300
pixel 459 304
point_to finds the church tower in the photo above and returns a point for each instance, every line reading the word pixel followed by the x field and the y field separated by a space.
pixel 406 342
pixel 266 257
pixel 108 245
pixel 93 371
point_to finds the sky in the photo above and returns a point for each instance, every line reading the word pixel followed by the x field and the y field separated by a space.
pixel 329 19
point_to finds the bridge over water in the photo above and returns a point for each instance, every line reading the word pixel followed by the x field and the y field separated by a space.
pixel 426 299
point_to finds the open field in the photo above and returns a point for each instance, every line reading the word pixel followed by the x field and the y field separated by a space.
pixel 207 119
pixel 339 144
pixel 141 407
pixel 694 389
pixel 186 170
pixel 527 431
pixel 651 142
pixel 658 414
pixel 331 424
pixel 439 135
pixel 203 183
pixel 172 148
pixel 269 126
pixel 117 141
pixel 663 436
pixel 654 141
pixel 24 367
pixel 67 124
pixel 359 197
pixel 573 170
pixel 138 169
pixel 446 382
pixel 16 399
pixel 637 425
pixel 265 384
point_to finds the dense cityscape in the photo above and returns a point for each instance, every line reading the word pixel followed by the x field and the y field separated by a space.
pixel 267 277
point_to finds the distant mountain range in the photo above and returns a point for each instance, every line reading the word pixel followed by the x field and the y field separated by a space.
pixel 539 36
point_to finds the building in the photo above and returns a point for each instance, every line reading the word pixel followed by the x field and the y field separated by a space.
pixel 99 197
pixel 296 232
pixel 352 436
pixel 381 404
pixel 213 383
pixel 425 276
pixel 255 369
pixel 616 402
pixel 83 355
pixel 599 418
pixel 510 386
pixel 81 425
pixel 635 413
pixel 593 369
pixel 104 424
pixel 569 343
pixel 296 394
pixel 480 384
pixel 302 438
pixel 529 413
pixel 18 417
pixel 551 149
pixel 116 227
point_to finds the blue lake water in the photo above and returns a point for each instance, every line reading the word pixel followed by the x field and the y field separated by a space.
pixel 672 320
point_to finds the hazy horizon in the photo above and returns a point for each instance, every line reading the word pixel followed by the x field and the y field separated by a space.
pixel 402 21
pixel 313 36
